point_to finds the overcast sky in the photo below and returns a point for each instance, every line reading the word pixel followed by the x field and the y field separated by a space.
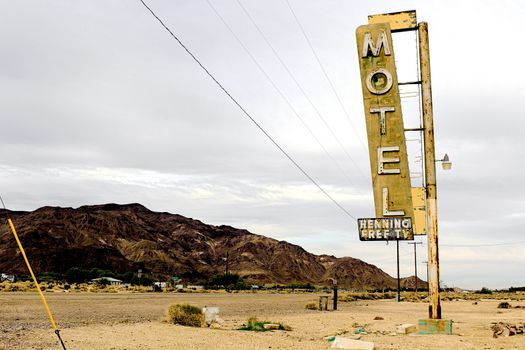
pixel 100 104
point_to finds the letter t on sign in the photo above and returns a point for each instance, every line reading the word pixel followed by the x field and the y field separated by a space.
pixel 382 116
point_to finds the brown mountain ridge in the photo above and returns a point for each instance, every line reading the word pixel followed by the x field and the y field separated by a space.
pixel 128 237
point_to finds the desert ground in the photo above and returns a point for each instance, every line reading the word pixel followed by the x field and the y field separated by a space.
pixel 136 321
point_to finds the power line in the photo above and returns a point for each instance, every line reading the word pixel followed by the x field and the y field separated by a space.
pixel 481 245
pixel 325 73
pixel 246 112
pixel 318 113
pixel 281 94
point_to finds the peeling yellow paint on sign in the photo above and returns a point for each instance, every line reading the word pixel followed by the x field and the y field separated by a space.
pixel 420 217
pixel 397 20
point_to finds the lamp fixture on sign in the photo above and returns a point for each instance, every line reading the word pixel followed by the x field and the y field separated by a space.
pixel 446 164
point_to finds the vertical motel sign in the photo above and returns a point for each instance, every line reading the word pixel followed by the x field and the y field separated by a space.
pixel 386 138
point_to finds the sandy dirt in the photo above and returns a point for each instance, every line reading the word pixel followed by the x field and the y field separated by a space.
pixel 135 321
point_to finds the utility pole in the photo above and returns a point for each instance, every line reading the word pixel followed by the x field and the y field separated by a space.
pixel 430 173
pixel 415 260
pixel 426 263
pixel 398 279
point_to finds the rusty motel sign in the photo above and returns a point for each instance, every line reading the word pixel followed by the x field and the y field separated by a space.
pixel 393 200
pixel 386 138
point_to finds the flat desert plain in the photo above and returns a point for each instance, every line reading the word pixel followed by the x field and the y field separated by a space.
pixel 135 321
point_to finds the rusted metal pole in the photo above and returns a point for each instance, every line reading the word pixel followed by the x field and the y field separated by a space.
pixel 430 173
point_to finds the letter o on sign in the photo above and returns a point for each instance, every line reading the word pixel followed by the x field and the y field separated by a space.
pixel 379 81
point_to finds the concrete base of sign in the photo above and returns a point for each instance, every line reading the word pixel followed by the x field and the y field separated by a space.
pixel 431 326
pixel 406 328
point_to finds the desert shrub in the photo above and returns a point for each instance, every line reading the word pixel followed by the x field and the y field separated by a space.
pixel 367 296
pixel 504 305
pixel 485 290
pixel 254 325
pixel 103 282
pixel 311 306
pixel 229 281
pixel 185 315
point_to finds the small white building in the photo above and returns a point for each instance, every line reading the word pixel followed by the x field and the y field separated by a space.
pixel 112 281
pixel 6 277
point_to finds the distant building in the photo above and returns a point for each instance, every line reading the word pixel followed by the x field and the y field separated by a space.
pixel 6 277
pixel 195 287
pixel 112 281
pixel 160 284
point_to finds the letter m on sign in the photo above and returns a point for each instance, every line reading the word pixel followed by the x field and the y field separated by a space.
pixel 368 45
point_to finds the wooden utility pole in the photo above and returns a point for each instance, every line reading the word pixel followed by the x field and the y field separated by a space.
pixel 430 173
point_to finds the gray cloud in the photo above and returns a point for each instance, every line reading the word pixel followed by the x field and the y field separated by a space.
pixel 99 104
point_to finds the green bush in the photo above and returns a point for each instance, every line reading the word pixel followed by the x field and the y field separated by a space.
pixel 185 315
pixel 254 325
pixel 258 326
pixel 228 281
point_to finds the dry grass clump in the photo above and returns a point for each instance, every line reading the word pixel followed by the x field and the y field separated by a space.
pixel 185 315
pixel 367 296
pixel 311 306
pixel 17 286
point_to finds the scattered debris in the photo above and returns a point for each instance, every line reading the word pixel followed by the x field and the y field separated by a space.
pixel 507 329
pixel 360 330
pixel 211 317
pixel 323 302
pixel 346 343
pixel 406 328
pixel 270 326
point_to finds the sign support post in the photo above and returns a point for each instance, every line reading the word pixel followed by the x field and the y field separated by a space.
pixel 430 173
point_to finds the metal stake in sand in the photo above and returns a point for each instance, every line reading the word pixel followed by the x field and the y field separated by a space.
pixel 12 227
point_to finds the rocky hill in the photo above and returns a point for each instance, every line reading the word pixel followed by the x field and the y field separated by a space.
pixel 128 237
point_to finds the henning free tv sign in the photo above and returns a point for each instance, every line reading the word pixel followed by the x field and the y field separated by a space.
pixel 385 229
pixel 386 137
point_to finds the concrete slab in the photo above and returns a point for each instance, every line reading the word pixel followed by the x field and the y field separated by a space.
pixel 346 343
